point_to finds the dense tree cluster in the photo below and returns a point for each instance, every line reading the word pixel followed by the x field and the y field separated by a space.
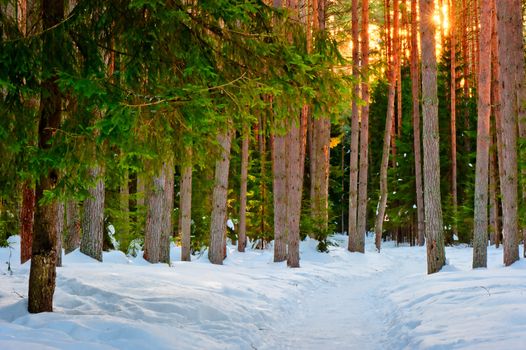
pixel 131 124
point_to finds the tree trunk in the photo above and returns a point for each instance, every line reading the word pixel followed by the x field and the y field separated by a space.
pixel 219 201
pixel 27 219
pixel 509 25
pixel 168 206
pixel 155 203
pixel 60 232
pixel 93 218
pixel 364 132
pixel 495 103
pixel 43 271
pixel 124 198
pixel 280 186
pixel 242 239
pixel 354 234
pixel 72 241
pixel 480 235
pixel 388 133
pixel 417 142
pixel 186 211
pixel 493 199
pixel 433 208
pixel 453 92
pixel 295 187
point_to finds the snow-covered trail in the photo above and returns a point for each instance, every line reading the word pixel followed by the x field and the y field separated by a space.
pixel 334 301
pixel 349 312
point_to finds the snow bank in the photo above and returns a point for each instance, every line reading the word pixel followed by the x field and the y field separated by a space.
pixel 335 301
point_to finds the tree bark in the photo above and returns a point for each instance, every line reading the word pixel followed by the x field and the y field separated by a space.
pixel 433 208
pixel 27 219
pixel 279 165
pixel 364 132
pixel 43 271
pixel 219 201
pixel 388 133
pixel 509 25
pixel 480 235
pixel 155 202
pixel 354 234
pixel 93 218
pixel 60 232
pixel 295 187
pixel 186 212
pixel 495 95
pixel 417 141
pixel 72 241
pixel 453 110
pixel 242 239
pixel 168 206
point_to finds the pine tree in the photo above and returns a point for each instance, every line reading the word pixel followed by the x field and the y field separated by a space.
pixel 433 208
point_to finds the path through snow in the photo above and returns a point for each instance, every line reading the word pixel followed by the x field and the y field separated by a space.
pixel 334 301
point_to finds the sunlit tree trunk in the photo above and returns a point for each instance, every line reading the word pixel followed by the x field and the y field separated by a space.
pixel 480 235
pixel 417 143
pixel 495 103
pixel 453 111
pixel 509 29
pixel 354 234
pixel 433 208
pixel 388 132
pixel 364 131
pixel 219 200
pixel 43 271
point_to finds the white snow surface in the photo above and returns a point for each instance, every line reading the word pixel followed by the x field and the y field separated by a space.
pixel 336 300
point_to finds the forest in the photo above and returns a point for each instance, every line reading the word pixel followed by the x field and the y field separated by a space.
pixel 220 125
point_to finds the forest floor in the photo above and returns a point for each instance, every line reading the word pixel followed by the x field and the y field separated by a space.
pixel 336 300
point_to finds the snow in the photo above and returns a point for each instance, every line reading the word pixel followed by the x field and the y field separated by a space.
pixel 336 300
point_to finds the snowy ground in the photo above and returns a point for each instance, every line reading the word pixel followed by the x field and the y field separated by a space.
pixel 335 301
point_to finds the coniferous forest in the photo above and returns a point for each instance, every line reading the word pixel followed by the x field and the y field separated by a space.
pixel 225 129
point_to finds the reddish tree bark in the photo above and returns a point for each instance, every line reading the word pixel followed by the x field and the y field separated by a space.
pixel 27 217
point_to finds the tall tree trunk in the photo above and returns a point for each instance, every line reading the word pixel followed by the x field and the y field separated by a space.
pixel 43 271
pixel 453 111
pixel 354 234
pixel 155 202
pixel 320 149
pixel 27 218
pixel 280 186
pixel 495 103
pixel 480 235
pixel 388 132
pixel 72 241
pixel 364 131
pixel 493 199
pixel 168 206
pixel 509 25
pixel 186 210
pixel 295 187
pixel 433 208
pixel 93 218
pixel 242 239
pixel 219 201
pixel 417 143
